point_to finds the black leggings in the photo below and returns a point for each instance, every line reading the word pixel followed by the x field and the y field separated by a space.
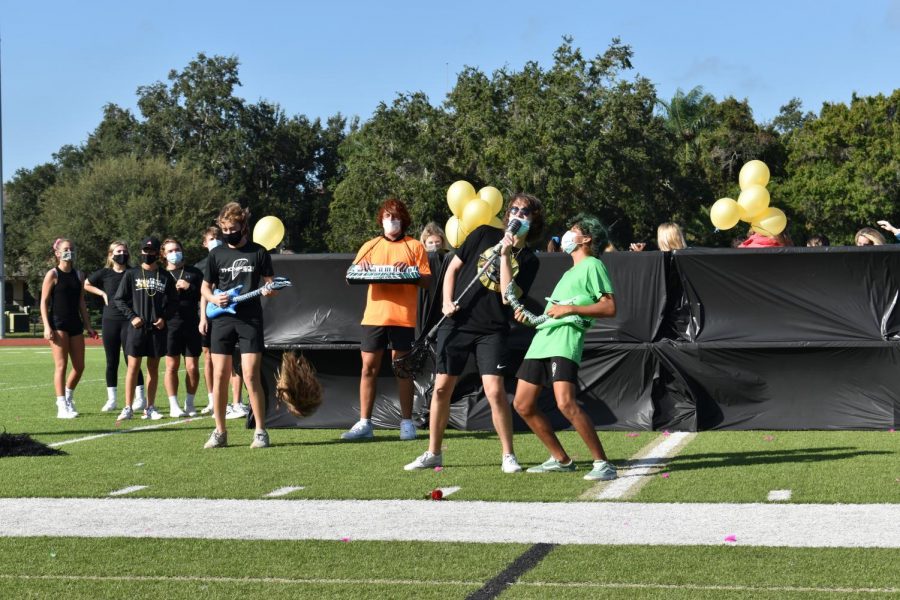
pixel 114 334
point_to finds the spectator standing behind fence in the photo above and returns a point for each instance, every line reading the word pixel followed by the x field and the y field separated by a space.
pixel 818 240
pixel 115 326
pixel 868 236
pixel 668 237
pixel 65 316
pixel 434 239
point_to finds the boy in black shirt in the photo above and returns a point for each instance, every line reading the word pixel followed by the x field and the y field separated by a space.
pixel 238 262
pixel 479 324
pixel 183 331
pixel 147 298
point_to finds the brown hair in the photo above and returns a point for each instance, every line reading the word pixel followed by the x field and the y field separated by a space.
pixel 873 235
pixel 171 241
pixel 109 252
pixel 536 208
pixel 234 213
pixel 213 230
pixel 296 386
pixel 396 208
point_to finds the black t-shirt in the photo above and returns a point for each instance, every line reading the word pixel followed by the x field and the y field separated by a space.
pixel 149 295
pixel 482 310
pixel 228 268
pixel 189 299
pixel 108 280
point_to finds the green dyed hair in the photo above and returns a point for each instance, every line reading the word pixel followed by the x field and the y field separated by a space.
pixel 590 225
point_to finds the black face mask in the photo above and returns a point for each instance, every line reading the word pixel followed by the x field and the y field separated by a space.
pixel 233 238
pixel 149 259
pixel 121 259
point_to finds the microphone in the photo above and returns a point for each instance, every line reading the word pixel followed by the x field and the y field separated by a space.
pixel 512 227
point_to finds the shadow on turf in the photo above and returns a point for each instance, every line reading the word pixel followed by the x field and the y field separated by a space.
pixel 713 460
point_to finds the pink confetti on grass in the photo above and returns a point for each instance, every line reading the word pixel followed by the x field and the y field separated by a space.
pixel 632 434
pixel 891 430
pixel 345 539
pixel 667 433
pixel 665 475
pixel 768 438
pixel 730 538
pixel 439 469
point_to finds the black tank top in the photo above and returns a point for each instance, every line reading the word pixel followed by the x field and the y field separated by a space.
pixel 66 296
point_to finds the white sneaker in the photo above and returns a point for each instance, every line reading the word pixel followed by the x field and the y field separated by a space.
pixel 110 406
pixel 126 414
pixel 217 440
pixel 70 403
pixel 63 412
pixel 360 431
pixel 175 411
pixel 207 410
pixel 151 413
pixel 426 461
pixel 236 411
pixel 510 464
pixel 407 430
pixel 139 403
pixel 189 409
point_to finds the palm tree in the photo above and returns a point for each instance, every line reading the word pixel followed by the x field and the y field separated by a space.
pixel 686 115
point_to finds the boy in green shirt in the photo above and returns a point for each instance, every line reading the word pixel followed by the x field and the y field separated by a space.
pixel 583 293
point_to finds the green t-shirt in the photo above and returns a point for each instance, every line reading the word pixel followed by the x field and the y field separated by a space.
pixel 581 285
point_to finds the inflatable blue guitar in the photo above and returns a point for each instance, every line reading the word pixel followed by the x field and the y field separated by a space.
pixel 235 296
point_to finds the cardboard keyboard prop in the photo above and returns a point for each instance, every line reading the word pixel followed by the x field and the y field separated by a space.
pixel 356 275
pixel 235 296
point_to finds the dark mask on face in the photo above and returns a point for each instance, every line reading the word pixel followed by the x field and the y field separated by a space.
pixel 233 238
pixel 149 259
pixel 121 259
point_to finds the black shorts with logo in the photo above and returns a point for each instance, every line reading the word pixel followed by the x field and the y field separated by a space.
pixel 453 348
pixel 146 341
pixel 378 337
pixel 227 331
pixel 183 338
pixel 547 371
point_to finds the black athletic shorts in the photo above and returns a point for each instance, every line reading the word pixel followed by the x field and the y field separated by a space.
pixel 146 341
pixel 453 348
pixel 227 331
pixel 70 326
pixel 183 338
pixel 547 371
pixel 377 338
pixel 204 341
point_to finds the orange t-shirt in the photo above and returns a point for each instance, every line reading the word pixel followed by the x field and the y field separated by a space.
pixel 393 304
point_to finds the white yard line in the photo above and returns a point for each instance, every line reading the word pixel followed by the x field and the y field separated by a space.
pixel 120 431
pixel 779 495
pixel 646 463
pixel 48 385
pixel 128 490
pixel 760 524
pixel 284 491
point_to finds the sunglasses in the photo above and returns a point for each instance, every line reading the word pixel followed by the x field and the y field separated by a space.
pixel 522 211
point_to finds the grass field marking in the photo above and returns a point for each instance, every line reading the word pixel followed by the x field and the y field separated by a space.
pixel 128 490
pixel 119 431
pixel 647 461
pixel 218 579
pixel 779 495
pixel 446 491
pixel 49 384
pixel 284 491
pixel 713 588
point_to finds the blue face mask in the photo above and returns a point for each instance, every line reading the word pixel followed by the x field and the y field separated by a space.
pixel 174 257
pixel 523 229
pixel 568 243
pixel 213 244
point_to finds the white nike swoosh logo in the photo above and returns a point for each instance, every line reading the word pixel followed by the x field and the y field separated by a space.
pixel 501 366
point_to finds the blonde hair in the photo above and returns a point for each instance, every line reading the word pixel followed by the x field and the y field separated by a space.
pixel 233 213
pixel 109 252
pixel 873 235
pixel 434 229
pixel 171 241
pixel 669 237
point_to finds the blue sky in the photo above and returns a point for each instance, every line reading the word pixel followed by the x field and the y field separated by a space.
pixel 62 61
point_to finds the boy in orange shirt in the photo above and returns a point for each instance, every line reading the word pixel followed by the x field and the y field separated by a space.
pixel 390 315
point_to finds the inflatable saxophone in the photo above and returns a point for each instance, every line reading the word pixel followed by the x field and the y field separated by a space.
pixel 546 321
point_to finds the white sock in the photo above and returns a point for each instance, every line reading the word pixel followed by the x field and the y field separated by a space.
pixel 210 396
pixel 139 392
pixel 69 393
pixel 111 394
pixel 60 399
pixel 173 401
pixel 366 421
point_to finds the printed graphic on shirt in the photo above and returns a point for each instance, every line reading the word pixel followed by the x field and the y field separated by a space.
pixel 151 285
pixel 240 265
pixel 491 277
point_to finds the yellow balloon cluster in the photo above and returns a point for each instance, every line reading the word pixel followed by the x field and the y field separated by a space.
pixel 752 206
pixel 471 210
pixel 268 232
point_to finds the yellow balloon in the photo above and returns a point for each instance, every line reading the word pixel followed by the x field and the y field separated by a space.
pixel 493 197
pixel 458 195
pixel 725 213
pixel 771 222
pixel 754 172
pixel 477 212
pixel 753 201
pixel 496 222
pixel 268 232
pixel 455 233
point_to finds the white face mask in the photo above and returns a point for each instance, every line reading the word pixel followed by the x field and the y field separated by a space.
pixel 213 243
pixel 391 226
pixel 568 243
pixel 433 246
pixel 67 255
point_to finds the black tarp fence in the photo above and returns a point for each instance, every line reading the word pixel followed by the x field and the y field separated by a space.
pixel 785 338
